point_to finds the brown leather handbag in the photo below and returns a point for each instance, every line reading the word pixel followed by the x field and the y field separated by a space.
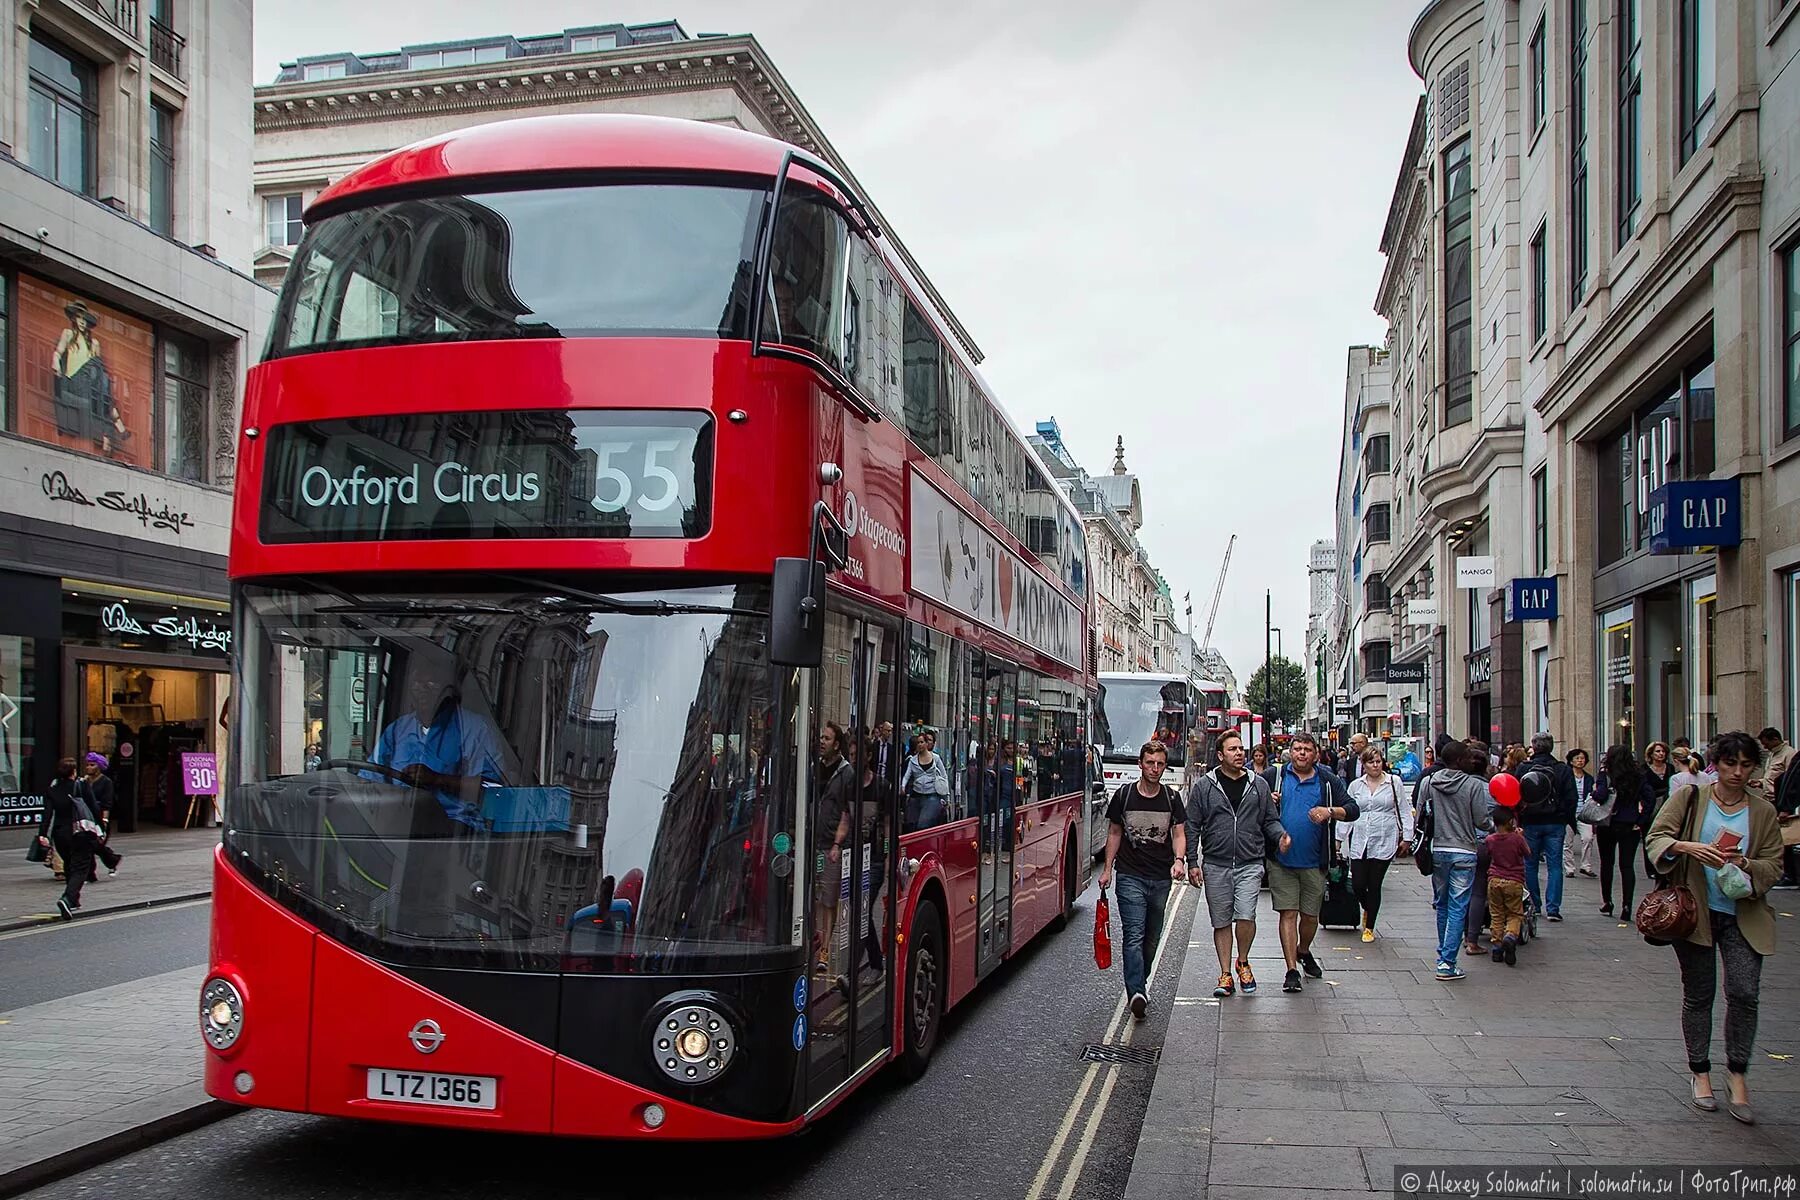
pixel 1671 913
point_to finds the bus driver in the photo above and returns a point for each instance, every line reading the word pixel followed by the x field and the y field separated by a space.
pixel 438 744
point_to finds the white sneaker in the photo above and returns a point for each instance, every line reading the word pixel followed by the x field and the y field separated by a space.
pixel 1140 1005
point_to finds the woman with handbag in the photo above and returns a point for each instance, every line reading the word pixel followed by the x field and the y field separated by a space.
pixel 1578 856
pixel 69 827
pixel 1384 831
pixel 1621 812
pixel 1722 845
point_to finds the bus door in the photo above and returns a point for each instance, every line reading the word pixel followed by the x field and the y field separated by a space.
pixel 850 820
pixel 997 799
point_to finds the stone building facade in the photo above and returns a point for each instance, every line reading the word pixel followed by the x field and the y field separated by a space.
pixel 128 315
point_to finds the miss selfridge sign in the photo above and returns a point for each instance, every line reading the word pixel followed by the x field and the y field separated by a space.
pixel 954 561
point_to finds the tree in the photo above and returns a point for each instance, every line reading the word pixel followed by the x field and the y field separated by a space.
pixel 1288 701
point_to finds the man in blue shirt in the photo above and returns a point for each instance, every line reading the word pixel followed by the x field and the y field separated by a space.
pixel 1309 798
pixel 439 745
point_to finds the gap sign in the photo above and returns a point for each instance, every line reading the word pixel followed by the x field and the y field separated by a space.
pixel 1531 600
pixel 1695 516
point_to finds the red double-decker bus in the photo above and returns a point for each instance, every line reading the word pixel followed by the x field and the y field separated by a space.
pixel 662 672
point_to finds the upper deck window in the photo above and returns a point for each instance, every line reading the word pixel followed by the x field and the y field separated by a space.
pixel 658 259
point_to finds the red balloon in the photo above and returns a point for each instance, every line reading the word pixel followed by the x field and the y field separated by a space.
pixel 1504 789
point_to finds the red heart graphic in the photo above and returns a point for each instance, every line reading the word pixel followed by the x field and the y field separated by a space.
pixel 1006 589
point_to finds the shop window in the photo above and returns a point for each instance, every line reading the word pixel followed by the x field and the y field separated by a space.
pixel 1790 595
pixel 1702 638
pixel 185 407
pixel 18 723
pixel 1618 717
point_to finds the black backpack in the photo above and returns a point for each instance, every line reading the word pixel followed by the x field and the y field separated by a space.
pixel 1538 794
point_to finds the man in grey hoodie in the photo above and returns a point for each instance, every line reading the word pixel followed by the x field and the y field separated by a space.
pixel 1460 814
pixel 1232 814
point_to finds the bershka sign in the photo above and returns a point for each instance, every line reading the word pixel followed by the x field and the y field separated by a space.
pixel 1475 571
pixel 1406 672
pixel 956 562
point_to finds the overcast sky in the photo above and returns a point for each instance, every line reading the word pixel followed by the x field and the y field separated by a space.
pixel 1158 219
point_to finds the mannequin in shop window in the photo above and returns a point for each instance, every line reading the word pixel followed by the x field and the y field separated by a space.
pixel 440 745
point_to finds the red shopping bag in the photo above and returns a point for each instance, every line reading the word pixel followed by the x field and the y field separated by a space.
pixel 1102 939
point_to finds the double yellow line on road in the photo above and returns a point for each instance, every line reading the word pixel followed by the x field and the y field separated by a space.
pixel 1119 1031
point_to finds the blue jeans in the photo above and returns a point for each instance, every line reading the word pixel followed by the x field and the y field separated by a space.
pixel 1451 882
pixel 1546 842
pixel 1141 905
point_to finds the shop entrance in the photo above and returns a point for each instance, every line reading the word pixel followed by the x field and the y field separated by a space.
pixel 142 712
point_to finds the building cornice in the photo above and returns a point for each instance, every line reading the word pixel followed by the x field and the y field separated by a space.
pixel 737 62
pixel 1735 206
pixel 1453 486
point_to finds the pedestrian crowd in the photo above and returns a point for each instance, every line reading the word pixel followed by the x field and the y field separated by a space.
pixel 1498 830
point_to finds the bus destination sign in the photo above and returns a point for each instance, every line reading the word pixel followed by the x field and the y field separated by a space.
pixel 541 473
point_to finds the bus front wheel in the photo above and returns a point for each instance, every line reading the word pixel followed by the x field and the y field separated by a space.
pixel 926 964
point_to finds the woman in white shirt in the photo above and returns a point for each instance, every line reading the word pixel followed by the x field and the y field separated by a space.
pixel 1384 830
pixel 1578 851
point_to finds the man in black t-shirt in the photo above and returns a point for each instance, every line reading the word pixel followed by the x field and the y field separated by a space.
pixel 1146 839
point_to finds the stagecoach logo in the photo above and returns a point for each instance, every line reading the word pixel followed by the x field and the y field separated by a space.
pixel 426 1037
pixel 859 523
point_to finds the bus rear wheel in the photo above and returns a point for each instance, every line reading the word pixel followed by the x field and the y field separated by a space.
pixel 1068 886
pixel 926 964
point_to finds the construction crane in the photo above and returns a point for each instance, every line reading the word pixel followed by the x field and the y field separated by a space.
pixel 1212 613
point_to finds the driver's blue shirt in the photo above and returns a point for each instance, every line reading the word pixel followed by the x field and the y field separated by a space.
pixel 454 744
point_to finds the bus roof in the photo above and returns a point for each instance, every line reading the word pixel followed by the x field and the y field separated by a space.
pixel 565 142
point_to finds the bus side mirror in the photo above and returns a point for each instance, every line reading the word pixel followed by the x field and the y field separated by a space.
pixel 797 613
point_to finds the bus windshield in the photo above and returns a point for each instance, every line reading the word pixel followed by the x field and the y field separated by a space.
pixel 1140 710
pixel 516 778
pixel 653 259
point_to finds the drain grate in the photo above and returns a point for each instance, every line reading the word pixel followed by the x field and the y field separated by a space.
pixel 1135 1056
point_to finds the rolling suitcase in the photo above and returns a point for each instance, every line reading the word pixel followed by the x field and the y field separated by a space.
pixel 1339 909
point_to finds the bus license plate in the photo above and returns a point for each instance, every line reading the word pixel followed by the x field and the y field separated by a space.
pixel 425 1087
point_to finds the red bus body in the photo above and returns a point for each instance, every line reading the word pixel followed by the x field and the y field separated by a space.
pixel 316 1017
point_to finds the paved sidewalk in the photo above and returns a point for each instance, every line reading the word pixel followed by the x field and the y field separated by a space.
pixel 1574 1057
pixel 161 866
pixel 89 1076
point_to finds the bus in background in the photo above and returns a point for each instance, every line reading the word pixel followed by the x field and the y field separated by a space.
pixel 696 723
pixel 1137 707
pixel 1214 704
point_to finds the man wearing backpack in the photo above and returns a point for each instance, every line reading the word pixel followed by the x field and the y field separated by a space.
pixel 1146 838
pixel 1546 809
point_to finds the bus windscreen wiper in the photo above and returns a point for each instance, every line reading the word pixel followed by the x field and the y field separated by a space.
pixel 414 606
pixel 561 592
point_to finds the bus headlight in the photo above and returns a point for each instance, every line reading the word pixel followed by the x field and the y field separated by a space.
pixel 693 1043
pixel 221 1013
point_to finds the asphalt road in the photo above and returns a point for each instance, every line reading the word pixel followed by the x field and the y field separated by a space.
pixel 53 961
pixel 996 1116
